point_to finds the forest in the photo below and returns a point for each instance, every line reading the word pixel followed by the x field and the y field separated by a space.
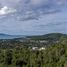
pixel 19 53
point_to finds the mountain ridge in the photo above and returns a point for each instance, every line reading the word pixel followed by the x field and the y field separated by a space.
pixel 7 36
pixel 35 37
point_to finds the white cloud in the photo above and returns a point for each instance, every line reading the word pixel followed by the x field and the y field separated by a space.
pixel 6 10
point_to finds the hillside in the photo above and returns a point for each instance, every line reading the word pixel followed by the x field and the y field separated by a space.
pixel 34 51
pixel 52 56
pixel 32 41
pixel 51 36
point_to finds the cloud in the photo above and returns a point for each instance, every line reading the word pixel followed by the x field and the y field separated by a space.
pixel 38 2
pixel 5 10
pixel 30 9
pixel 32 16
pixel 39 8
pixel 10 3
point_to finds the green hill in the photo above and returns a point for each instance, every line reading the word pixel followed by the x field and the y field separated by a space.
pixel 33 41
pixel 51 36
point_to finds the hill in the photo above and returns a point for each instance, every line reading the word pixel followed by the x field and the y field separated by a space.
pixel 31 41
pixel 7 36
pixel 51 36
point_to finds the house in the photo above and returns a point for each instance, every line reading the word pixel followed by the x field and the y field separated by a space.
pixel 42 48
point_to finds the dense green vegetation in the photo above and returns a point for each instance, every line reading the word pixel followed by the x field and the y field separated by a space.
pixel 52 56
pixel 20 55
pixel 51 36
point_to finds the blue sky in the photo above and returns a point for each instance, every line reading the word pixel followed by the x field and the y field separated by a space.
pixel 33 17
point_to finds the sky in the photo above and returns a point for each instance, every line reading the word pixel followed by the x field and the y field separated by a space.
pixel 33 17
